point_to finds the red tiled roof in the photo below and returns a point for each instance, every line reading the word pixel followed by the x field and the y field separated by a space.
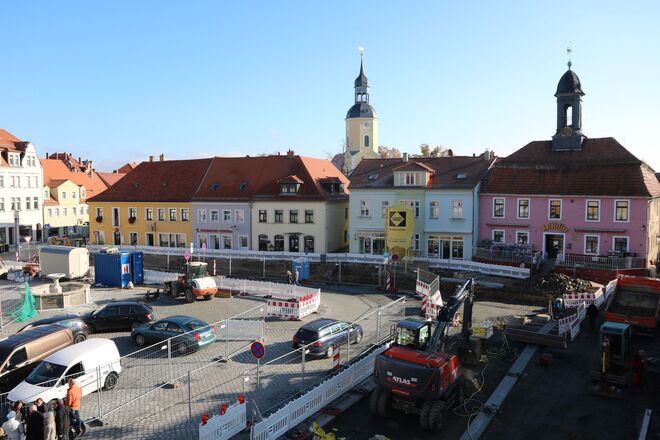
pixel 244 178
pixel 111 178
pixel 130 166
pixel 413 164
pixel 379 173
pixel 57 172
pixel 166 181
pixel 602 167
pixel 290 179
pixel 9 142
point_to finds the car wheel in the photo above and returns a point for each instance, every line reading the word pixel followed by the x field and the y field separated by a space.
pixel 189 296
pixel 358 338
pixel 384 403
pixel 208 297
pixel 330 351
pixel 167 289
pixel 437 416
pixel 110 381
pixel 140 340
pixel 373 400
pixel 79 338
pixel 424 414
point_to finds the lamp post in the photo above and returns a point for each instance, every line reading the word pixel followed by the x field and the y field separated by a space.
pixel 16 231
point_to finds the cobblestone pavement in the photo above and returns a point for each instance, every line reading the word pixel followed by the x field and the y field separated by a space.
pixel 165 412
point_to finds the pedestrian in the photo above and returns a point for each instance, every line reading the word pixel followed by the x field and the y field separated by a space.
pixel 297 278
pixel 50 431
pixel 34 427
pixel 41 405
pixel 12 427
pixel 17 407
pixel 63 416
pixel 638 370
pixel 74 400
pixel 592 313
pixel 289 277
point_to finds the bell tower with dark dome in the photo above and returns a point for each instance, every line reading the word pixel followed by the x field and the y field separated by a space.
pixel 361 122
pixel 569 113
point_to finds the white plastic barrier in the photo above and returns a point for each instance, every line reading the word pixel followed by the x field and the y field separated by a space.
pixel 296 309
pixel 263 288
pixel 279 423
pixel 572 323
pixel 475 266
pixel 225 426
pixel 433 306
pixel 422 289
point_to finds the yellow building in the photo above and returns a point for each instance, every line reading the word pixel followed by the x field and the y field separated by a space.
pixel 151 206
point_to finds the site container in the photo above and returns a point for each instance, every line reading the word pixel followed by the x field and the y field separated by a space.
pixel 73 262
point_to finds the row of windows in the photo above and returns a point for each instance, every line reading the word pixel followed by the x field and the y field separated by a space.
pixel 591 242
pixel 74 210
pixel 220 215
pixel 294 243
pixel 438 246
pixel 592 209
pixel 221 241
pixel 63 194
pixel 15 204
pixel 434 208
pixel 14 160
pixel 148 215
pixel 279 216
pixel 15 181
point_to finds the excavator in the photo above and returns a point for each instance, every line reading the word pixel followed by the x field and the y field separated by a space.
pixel 416 374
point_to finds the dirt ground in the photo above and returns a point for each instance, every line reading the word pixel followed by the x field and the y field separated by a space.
pixel 555 402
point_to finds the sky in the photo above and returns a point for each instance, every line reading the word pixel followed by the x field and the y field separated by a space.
pixel 117 81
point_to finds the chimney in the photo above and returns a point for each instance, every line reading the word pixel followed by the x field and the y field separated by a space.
pixel 290 153
pixel 162 158
pixel 151 158
pixel 487 154
pixel 80 162
pixel 405 157
pixel 46 154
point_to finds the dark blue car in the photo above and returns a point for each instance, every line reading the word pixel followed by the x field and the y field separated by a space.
pixel 190 334
pixel 323 336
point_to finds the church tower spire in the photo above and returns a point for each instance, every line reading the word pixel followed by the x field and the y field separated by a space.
pixel 361 121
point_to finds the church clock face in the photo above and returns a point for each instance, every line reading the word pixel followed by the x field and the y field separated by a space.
pixel 366 124
pixel 567 131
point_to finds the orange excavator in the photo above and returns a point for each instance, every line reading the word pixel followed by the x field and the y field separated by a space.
pixel 416 374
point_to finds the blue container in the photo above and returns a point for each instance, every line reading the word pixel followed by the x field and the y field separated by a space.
pixel 303 267
pixel 137 267
pixel 112 270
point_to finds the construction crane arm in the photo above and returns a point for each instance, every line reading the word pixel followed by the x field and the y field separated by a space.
pixel 464 295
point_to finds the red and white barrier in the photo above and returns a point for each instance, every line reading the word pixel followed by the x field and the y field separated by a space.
pixel 335 359
pixel 230 420
pixel 294 308
pixel 575 299
pixel 433 305
pixel 422 288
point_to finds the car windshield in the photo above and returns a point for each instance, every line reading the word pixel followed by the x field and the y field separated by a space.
pixel 46 373
pixel 194 325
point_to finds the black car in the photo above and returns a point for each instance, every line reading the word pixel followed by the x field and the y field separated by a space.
pixel 323 336
pixel 74 322
pixel 119 316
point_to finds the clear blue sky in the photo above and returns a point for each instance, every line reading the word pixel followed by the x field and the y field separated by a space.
pixel 118 81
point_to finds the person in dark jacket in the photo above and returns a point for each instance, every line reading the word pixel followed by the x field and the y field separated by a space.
pixel 34 426
pixel 41 405
pixel 63 415
pixel 592 313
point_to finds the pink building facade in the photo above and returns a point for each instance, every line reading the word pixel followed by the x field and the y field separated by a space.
pixel 560 225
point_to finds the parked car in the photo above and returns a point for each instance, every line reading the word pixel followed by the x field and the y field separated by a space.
pixel 20 353
pixel 323 336
pixel 73 322
pixel 82 362
pixel 190 333
pixel 119 316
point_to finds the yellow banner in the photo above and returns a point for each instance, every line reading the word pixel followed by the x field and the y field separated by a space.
pixel 399 224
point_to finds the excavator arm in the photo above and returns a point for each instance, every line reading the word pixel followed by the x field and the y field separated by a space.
pixel 464 295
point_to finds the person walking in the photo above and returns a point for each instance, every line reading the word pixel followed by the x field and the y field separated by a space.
pixel 34 429
pixel 74 400
pixel 41 405
pixel 63 416
pixel 289 277
pixel 592 313
pixel 12 427
pixel 297 277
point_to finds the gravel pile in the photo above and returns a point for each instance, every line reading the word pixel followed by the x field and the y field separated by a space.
pixel 555 283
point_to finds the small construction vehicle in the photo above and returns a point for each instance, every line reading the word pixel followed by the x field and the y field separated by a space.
pixel 615 359
pixel 415 374
pixel 195 283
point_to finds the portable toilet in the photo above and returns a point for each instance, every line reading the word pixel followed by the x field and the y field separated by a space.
pixel 113 269
pixel 303 267
pixel 137 267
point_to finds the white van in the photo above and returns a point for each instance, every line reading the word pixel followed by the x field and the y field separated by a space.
pixel 80 361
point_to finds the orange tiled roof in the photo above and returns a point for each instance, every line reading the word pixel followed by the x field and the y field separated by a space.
pixel 56 171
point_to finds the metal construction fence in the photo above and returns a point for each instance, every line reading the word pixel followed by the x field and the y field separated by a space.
pixel 165 388
pixel 11 298
pixel 607 263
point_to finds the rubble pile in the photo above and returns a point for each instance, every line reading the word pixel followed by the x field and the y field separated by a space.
pixel 556 283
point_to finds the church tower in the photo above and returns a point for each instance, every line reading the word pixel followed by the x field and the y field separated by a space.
pixel 361 123
pixel 569 113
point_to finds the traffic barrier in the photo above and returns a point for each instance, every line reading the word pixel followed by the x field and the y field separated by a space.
pixel 226 424
pixel 433 305
pixel 575 299
pixel 298 410
pixel 295 308
pixel 335 359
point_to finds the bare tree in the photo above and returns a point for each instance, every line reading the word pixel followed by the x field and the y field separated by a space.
pixel 437 151
pixel 385 152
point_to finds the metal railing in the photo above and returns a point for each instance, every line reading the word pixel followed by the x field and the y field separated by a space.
pixel 508 255
pixel 602 262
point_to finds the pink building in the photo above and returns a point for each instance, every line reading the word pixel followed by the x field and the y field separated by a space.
pixel 586 202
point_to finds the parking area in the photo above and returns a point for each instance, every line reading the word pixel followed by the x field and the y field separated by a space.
pixel 129 413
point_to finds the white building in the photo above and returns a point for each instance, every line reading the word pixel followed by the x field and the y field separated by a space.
pixel 21 191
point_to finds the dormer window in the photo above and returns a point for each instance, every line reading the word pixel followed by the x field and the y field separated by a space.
pixel 409 178
pixel 461 175
pixel 289 188
pixel 14 160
